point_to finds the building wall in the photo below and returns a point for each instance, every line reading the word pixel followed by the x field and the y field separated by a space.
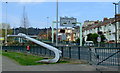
pixel 107 29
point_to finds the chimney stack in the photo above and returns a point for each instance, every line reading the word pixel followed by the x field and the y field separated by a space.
pixel 105 19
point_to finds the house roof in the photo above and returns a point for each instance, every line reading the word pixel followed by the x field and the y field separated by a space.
pixel 102 23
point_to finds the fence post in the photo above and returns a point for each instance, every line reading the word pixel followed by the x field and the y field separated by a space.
pixel 45 51
pixel 118 57
pixel 49 52
pixel 62 51
pixel 37 51
pixel 69 52
pixel 41 50
pixel 78 52
pixel 90 55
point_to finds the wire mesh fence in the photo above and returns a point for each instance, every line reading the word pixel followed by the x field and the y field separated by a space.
pixel 107 45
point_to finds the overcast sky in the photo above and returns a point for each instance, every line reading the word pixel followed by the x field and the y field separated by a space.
pixel 38 12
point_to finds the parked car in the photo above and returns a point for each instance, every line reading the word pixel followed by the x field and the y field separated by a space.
pixel 89 43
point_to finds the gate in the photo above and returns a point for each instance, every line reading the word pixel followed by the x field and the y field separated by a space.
pixel 106 57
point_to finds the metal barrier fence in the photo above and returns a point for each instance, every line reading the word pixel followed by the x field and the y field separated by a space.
pixel 106 57
pixel 71 52
pixel 107 45
pixel 95 56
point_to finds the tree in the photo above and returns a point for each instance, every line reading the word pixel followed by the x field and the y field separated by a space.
pixel 88 37
pixel 9 32
pixel 103 38
pixel 93 37
pixel 50 35
pixel 77 40
pixel 83 40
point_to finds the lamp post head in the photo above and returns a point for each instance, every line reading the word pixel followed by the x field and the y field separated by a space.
pixel 115 3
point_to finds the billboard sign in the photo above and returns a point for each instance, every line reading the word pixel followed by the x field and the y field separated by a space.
pixel 69 22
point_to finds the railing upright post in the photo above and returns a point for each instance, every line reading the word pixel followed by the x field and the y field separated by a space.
pixel 37 50
pixel 90 56
pixel 49 52
pixel 69 52
pixel 41 50
pixel 79 53
pixel 62 51
pixel 45 51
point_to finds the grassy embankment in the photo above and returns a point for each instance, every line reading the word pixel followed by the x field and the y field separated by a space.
pixel 25 60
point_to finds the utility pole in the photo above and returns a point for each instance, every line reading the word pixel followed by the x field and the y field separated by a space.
pixel 115 24
pixel 57 24
pixel 6 26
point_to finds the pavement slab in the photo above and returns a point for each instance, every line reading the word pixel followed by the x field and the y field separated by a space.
pixel 10 65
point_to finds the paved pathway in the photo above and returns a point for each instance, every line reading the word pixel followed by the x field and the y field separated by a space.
pixel 10 65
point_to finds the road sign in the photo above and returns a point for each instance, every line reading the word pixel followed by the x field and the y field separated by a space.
pixel 99 39
pixel 70 22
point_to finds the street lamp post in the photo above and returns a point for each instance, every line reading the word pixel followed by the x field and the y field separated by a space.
pixel 57 24
pixel 115 24
pixel 47 28
pixel 6 26
pixel 116 33
pixel 80 35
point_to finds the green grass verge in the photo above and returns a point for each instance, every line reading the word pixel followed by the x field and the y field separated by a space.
pixel 0 52
pixel 26 60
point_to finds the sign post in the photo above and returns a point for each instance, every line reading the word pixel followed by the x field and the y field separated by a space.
pixel 80 33
pixel 99 40
pixel 53 31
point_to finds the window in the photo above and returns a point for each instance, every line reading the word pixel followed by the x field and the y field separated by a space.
pixel 105 28
pixel 98 28
pixel 90 31
pixel 109 28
